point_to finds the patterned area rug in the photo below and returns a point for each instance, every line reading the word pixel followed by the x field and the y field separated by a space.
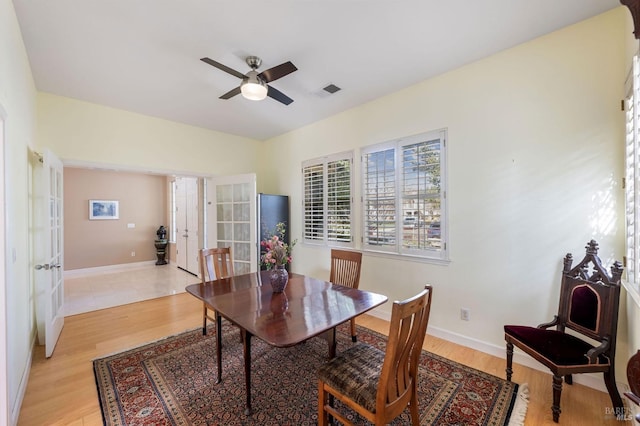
pixel 172 382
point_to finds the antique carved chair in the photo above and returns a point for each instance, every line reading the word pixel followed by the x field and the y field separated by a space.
pixel 345 270
pixel 633 377
pixel 215 263
pixel 589 299
pixel 379 384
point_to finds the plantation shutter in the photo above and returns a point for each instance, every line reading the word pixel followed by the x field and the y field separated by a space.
pixel 421 195
pixel 632 186
pixel 339 201
pixel 379 198
pixel 327 199
pixel 313 227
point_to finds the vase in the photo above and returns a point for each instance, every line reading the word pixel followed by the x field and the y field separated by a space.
pixel 279 278
pixel 279 305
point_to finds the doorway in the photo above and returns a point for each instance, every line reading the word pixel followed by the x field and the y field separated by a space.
pixel 187 223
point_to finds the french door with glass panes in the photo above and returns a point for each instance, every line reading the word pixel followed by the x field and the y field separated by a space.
pixel 231 219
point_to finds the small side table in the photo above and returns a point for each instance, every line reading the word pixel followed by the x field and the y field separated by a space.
pixel 161 251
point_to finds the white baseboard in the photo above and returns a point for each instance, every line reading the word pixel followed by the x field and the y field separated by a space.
pixel 106 269
pixel 14 412
pixel 594 381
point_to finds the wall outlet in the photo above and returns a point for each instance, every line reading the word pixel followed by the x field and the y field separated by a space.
pixel 133 254
pixel 465 314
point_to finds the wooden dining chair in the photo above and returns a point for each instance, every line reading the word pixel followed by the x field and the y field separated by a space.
pixel 215 263
pixel 379 385
pixel 345 270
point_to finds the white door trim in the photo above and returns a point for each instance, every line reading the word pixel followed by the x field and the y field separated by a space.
pixel 4 391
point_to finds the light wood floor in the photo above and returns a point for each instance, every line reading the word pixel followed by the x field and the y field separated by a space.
pixel 62 390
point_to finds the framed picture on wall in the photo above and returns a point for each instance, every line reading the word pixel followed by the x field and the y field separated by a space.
pixel 103 209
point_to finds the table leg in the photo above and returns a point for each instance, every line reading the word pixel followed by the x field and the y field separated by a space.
pixel 247 368
pixel 219 345
pixel 331 338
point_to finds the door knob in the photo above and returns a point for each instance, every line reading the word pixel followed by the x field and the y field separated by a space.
pixel 47 266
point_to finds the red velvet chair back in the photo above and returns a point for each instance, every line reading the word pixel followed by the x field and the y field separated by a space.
pixel 589 297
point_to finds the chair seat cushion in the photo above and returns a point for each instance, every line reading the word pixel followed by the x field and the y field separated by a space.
pixel 355 373
pixel 558 347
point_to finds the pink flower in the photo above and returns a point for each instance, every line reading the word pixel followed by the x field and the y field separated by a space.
pixel 276 251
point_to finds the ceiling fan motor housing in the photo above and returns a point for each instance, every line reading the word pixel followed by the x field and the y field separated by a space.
pixel 254 62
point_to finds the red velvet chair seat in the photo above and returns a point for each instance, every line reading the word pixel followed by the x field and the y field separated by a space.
pixel 587 312
pixel 558 347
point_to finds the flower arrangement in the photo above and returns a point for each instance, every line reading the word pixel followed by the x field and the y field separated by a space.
pixel 277 252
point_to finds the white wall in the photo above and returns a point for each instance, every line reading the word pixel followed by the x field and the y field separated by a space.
pixel 17 98
pixel 534 166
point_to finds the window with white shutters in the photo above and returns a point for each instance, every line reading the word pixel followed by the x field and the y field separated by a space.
pixel 313 202
pixel 403 196
pixel 328 200
pixel 632 178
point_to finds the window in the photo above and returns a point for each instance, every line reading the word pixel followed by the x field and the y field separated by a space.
pixel 327 198
pixel 403 196
pixel 632 178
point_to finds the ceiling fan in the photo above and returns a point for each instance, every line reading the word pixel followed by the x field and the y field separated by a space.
pixel 254 85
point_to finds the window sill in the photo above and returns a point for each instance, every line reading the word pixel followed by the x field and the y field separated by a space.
pixel 632 290
pixel 407 257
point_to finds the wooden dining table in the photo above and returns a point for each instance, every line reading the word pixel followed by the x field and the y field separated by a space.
pixel 308 307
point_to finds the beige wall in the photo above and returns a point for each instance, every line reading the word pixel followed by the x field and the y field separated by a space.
pixel 82 132
pixel 91 243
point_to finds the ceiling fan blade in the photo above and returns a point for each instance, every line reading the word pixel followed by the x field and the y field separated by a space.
pixel 222 67
pixel 278 95
pixel 277 72
pixel 231 93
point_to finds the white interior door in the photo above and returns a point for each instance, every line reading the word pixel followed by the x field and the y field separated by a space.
pixel 48 253
pixel 187 243
pixel 231 219
pixel 181 223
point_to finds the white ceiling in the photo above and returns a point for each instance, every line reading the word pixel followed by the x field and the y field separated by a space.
pixel 143 55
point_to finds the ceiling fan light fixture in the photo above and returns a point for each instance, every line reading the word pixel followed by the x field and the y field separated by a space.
pixel 253 88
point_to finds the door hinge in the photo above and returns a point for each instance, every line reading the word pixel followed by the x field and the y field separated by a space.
pixel 622 105
pixel 624 261
pixel 624 183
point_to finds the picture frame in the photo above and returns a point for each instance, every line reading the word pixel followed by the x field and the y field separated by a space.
pixel 104 210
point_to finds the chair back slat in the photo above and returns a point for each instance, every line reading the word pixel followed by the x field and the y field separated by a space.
pixel 406 335
pixel 215 263
pixel 345 268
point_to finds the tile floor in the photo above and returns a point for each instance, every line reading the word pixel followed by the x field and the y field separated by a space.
pixel 106 289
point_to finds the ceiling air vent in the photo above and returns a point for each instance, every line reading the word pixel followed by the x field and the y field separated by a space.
pixel 332 88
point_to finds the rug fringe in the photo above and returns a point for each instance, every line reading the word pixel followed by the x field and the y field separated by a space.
pixel 519 411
